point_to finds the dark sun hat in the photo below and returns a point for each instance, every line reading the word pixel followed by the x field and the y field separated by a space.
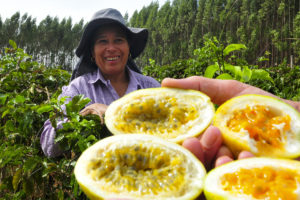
pixel 137 40
pixel 138 36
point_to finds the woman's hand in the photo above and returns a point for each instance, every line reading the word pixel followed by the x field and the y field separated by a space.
pixel 95 109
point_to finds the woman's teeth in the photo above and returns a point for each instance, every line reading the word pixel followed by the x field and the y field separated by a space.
pixel 112 58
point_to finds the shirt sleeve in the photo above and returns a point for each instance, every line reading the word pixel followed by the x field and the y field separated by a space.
pixel 49 147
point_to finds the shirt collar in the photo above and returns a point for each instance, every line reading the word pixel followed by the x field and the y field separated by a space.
pixel 133 82
pixel 97 76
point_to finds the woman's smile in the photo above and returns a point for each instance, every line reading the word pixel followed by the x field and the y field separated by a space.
pixel 112 58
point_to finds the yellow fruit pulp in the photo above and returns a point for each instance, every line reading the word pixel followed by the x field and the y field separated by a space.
pixel 263 183
pixel 263 125
pixel 170 113
pixel 140 170
pixel 168 116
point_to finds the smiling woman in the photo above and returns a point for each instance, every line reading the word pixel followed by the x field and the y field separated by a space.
pixel 105 71
pixel 110 51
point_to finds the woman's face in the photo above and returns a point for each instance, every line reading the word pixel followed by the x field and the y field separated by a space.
pixel 111 50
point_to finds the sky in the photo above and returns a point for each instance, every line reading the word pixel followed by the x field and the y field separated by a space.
pixel 76 9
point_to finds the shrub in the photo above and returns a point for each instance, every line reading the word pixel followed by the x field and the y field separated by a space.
pixel 28 97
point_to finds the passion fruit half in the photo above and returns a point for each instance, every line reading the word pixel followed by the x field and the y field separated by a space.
pixel 137 166
pixel 263 125
pixel 173 114
pixel 253 179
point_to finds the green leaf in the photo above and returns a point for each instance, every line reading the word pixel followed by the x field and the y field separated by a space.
pixel 77 103
pixel 59 138
pixel 83 102
pixel 5 113
pixel 49 167
pixel 30 164
pixel 44 108
pixel 3 98
pixel 28 186
pixel 233 47
pixel 211 70
pixel 234 70
pixel 225 76
pixel 51 78
pixel 91 138
pixel 13 44
pixel 60 195
pixel 20 99
pixel 260 74
pixel 246 74
pixel 17 178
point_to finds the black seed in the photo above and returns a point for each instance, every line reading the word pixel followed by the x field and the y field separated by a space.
pixel 139 157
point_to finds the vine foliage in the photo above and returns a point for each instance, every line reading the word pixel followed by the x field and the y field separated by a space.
pixel 28 97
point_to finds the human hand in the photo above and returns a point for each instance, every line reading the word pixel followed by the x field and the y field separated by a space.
pixel 95 109
pixel 209 150
pixel 208 147
pixel 220 90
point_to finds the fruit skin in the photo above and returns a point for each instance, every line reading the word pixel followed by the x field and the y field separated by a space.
pixel 239 142
pixel 93 192
pixel 213 192
pixel 190 98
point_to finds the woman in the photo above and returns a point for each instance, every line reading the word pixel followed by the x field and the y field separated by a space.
pixel 105 71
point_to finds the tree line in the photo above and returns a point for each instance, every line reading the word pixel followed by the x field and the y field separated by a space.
pixel 51 42
pixel 268 28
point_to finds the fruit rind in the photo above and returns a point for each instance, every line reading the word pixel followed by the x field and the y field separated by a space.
pixel 237 142
pixel 188 98
pixel 212 185
pixel 91 188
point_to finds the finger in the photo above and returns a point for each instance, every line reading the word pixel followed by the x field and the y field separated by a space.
pixel 245 154
pixel 88 111
pixel 194 146
pixel 211 141
pixel 224 151
pixel 222 160
pixel 85 112
pixel 214 88
pixel 192 83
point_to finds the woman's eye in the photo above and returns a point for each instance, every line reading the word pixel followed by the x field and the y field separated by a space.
pixel 120 40
pixel 101 41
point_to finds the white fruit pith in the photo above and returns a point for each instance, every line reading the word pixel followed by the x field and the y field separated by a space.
pixel 260 124
pixel 139 166
pixel 173 114
pixel 255 178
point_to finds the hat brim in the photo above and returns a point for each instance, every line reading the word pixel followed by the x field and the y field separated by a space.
pixel 138 36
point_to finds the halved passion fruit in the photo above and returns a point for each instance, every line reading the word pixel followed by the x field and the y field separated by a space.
pixel 139 166
pixel 260 124
pixel 253 179
pixel 173 114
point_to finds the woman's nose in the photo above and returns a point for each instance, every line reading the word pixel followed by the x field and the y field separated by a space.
pixel 111 46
